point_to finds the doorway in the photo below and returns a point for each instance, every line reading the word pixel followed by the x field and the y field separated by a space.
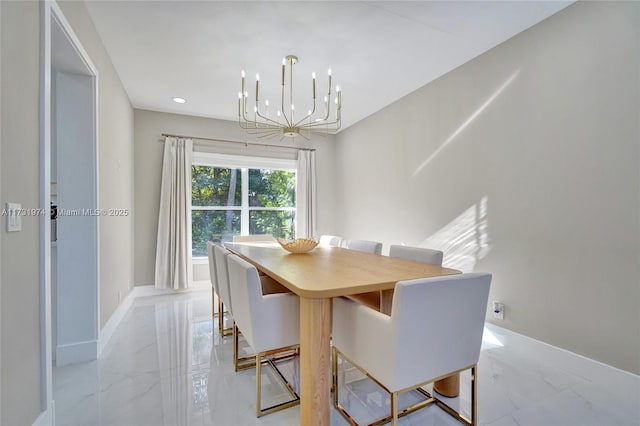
pixel 69 180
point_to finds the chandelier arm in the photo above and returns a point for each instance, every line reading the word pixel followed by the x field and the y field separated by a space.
pixel 301 134
pixel 302 120
pixel 284 114
pixel 244 110
pixel 264 129
pixel 275 123
pixel 321 124
pixel 257 130
pixel 326 117
pixel 268 135
pixel 256 123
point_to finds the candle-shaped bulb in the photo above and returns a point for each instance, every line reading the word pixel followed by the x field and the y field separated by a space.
pixel 257 76
pixel 292 107
pixel 325 99
pixel 266 103
pixel 338 88
pixel 284 61
pixel 278 113
pixel 246 93
pixel 255 108
pixel 329 71
pixel 309 113
pixel 313 76
pixel 242 73
pixel 239 95
pixel 335 101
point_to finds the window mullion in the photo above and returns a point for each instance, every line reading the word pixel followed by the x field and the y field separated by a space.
pixel 244 216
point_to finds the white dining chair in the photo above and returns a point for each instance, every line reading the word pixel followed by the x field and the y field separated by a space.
pixel 215 290
pixel 365 246
pixel 400 354
pixel 220 260
pixel 382 301
pixel 269 323
pixel 264 238
pixel 225 284
pixel 417 254
pixel 330 241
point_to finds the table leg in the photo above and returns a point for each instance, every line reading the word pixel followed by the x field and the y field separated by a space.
pixel 315 362
pixel 449 386
pixel 386 301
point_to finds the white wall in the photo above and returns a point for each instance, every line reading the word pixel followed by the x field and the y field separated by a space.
pixel 19 107
pixel 1 198
pixel 115 165
pixel 523 162
pixel 150 125
pixel 20 309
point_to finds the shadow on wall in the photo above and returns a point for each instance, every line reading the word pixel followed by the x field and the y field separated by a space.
pixel 469 120
pixel 464 240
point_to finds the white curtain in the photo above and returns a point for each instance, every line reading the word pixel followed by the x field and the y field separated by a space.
pixel 306 195
pixel 173 250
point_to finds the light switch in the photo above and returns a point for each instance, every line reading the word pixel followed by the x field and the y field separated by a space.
pixel 14 218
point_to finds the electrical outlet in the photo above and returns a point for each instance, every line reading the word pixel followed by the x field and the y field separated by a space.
pixel 498 310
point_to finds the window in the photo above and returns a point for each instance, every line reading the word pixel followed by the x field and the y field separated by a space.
pixel 240 196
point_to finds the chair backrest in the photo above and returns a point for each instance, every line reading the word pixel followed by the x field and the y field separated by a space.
pixel 220 254
pixel 366 246
pixel 212 267
pixel 245 290
pixel 437 326
pixel 417 254
pixel 255 237
pixel 330 240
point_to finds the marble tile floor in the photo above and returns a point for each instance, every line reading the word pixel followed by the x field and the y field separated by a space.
pixel 166 364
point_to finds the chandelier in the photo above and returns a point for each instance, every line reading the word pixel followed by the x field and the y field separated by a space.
pixel 264 124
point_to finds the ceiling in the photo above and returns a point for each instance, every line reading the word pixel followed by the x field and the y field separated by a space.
pixel 378 51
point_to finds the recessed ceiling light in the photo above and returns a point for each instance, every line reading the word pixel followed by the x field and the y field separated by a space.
pixel 179 100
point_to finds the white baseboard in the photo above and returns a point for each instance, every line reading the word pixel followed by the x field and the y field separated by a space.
pixel 112 323
pixel 595 371
pixel 74 353
pixel 47 417
pixel 146 290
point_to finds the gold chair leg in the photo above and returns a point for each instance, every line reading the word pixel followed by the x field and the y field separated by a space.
pixel 223 331
pixel 258 384
pixel 334 374
pixel 281 406
pixel 394 409
pixel 243 363
pixel 220 317
pixel 474 394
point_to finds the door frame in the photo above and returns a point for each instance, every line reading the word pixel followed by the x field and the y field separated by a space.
pixel 51 15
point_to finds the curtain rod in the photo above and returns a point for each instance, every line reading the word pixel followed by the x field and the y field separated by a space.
pixel 238 142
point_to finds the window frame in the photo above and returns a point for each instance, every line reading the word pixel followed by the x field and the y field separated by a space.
pixel 244 163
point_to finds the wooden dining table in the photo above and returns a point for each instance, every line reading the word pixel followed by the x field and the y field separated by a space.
pixel 317 277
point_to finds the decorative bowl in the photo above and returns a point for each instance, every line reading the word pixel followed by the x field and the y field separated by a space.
pixel 299 245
